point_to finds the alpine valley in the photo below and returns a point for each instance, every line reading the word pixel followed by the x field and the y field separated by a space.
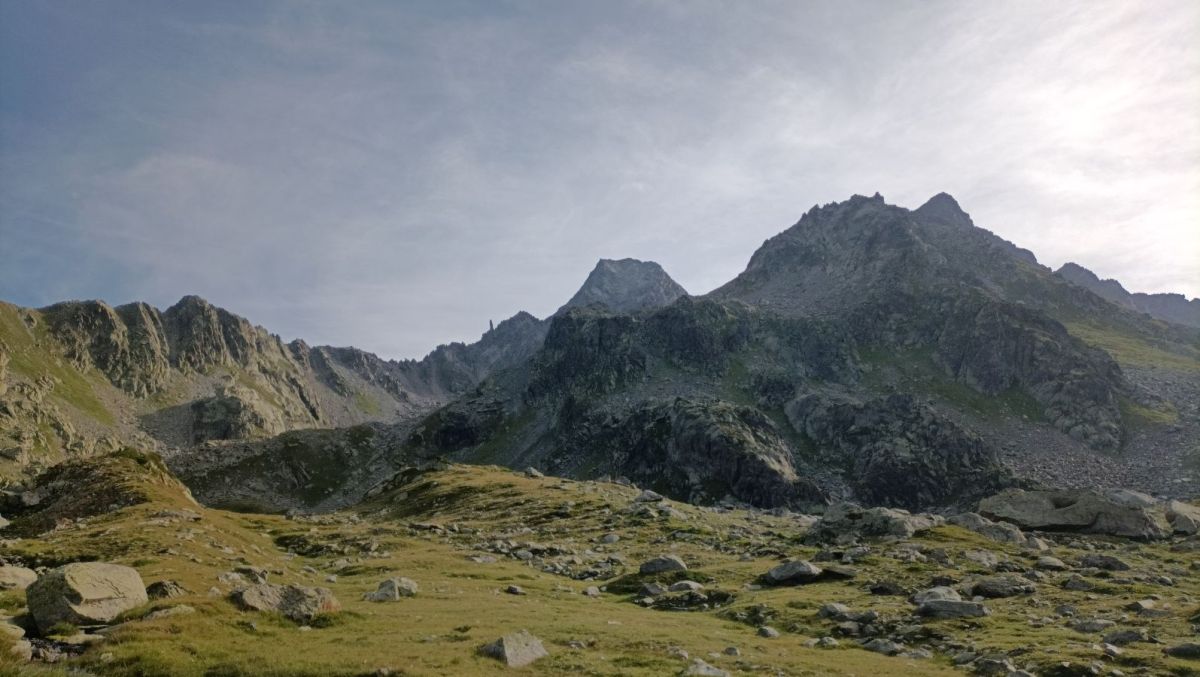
pixel 894 442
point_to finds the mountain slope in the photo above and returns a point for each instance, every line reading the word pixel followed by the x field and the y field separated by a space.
pixel 81 377
pixel 893 356
pixel 1170 307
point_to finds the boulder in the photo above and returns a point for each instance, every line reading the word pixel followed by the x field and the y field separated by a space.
pixel 297 602
pixel 165 590
pixel 392 589
pixel 844 522
pixel 1116 512
pixel 1009 585
pixel 1001 532
pixel 1105 562
pixel 16 578
pixel 948 608
pixel 662 564
pixel 516 649
pixel 699 668
pixel 938 593
pixel 793 573
pixel 1188 651
pixel 1184 517
pixel 84 593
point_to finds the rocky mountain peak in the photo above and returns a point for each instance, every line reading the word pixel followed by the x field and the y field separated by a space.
pixel 945 209
pixel 626 286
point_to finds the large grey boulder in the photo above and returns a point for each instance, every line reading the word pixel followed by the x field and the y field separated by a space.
pixel 1001 532
pixel 1004 585
pixel 1184 517
pixel 84 593
pixel 662 564
pixel 16 578
pixel 297 602
pixel 793 573
pixel 846 522
pixel 516 649
pixel 1116 512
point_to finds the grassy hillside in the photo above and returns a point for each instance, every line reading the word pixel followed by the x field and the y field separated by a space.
pixel 427 528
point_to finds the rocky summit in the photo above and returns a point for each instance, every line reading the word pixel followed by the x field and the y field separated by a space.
pixel 895 443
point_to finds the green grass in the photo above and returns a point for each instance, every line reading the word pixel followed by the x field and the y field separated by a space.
pixel 1131 350
pixel 367 404
pixel 917 371
pixel 461 604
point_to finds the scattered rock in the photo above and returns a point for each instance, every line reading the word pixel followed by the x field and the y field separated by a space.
pixel 768 632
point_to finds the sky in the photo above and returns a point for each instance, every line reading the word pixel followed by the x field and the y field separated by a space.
pixel 393 175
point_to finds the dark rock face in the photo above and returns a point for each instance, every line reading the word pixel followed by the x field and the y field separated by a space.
pixel 1175 308
pixel 626 286
pixel 694 450
pixel 898 452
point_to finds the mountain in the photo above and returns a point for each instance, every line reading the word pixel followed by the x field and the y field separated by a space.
pixel 871 352
pixel 626 286
pixel 1175 308
pixel 868 352
pixel 82 377
pixel 223 398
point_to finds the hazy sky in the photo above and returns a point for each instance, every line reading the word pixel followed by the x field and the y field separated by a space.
pixel 393 175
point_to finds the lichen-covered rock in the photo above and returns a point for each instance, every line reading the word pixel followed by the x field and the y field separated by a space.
pixel 16 578
pixel 516 649
pixel 1117 512
pixel 662 564
pixel 84 593
pixel 793 573
pixel 1001 532
pixel 299 603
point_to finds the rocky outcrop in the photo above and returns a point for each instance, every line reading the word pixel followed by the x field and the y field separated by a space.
pixel 91 486
pixel 699 451
pixel 896 451
pixel 84 593
pixel 234 412
pixel 127 344
pixel 626 286
pixel 1117 512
